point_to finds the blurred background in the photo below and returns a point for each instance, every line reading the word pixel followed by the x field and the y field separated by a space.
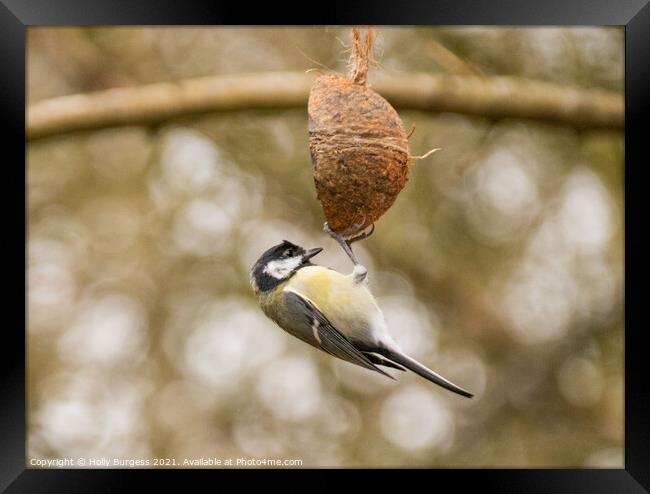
pixel 500 264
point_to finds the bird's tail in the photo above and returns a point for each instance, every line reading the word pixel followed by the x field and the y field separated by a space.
pixel 399 357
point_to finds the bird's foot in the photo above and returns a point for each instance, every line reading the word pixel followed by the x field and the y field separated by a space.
pixel 346 244
pixel 363 235
pixel 342 242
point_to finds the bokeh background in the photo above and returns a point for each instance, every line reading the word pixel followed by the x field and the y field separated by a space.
pixel 500 265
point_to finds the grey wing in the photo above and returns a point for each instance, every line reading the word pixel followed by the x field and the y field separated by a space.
pixel 328 337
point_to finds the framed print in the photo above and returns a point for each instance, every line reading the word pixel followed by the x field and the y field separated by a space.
pixel 382 238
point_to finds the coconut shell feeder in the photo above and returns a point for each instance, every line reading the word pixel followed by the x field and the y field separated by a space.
pixel 359 148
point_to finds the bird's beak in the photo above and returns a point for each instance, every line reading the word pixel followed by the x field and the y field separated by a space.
pixel 311 253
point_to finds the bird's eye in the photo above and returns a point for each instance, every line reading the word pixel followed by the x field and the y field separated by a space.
pixel 286 253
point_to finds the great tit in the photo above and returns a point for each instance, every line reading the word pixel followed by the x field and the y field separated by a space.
pixel 331 311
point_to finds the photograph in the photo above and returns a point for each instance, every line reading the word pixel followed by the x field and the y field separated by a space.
pixel 350 246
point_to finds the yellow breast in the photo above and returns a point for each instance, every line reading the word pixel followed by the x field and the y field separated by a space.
pixel 348 305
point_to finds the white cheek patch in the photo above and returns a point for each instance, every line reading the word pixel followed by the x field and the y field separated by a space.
pixel 283 267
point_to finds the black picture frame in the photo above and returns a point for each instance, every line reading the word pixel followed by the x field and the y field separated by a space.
pixel 17 15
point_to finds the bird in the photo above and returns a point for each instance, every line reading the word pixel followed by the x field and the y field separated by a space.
pixel 331 311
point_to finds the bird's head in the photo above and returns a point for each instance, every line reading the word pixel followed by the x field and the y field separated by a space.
pixel 278 264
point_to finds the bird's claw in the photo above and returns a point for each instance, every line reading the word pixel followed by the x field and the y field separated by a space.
pixel 362 235
pixel 345 244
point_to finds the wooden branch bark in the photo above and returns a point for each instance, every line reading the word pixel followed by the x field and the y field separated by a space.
pixel 493 97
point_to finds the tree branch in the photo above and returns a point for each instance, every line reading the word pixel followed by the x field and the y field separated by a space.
pixel 493 97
